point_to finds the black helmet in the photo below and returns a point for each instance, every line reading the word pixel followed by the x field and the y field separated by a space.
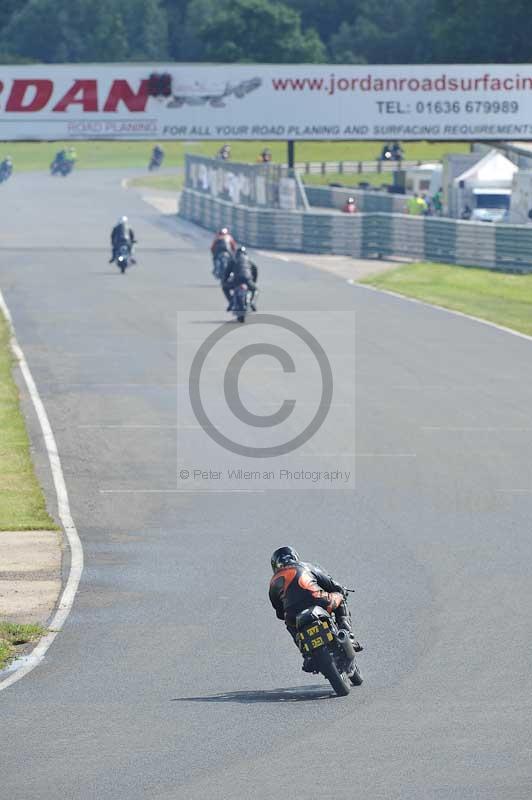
pixel 283 556
pixel 241 249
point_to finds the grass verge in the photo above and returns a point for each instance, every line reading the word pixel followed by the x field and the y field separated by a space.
pixel 22 503
pixel 13 635
pixel 168 183
pixel 495 296
pixel 102 155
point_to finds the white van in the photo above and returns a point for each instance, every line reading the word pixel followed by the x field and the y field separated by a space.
pixel 491 204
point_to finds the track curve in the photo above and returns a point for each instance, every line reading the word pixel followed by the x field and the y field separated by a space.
pixel 171 678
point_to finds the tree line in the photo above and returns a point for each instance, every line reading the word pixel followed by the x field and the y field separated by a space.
pixel 269 31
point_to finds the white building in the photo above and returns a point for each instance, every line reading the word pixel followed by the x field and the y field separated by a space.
pixel 483 190
pixel 425 178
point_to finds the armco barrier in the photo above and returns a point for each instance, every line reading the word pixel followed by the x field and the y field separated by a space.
pixel 367 235
pixel 368 201
pixel 513 253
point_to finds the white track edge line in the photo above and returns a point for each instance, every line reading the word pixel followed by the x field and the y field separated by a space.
pixel 64 607
pixel 441 308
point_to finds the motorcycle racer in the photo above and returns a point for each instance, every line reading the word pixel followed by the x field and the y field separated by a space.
pixel 297 585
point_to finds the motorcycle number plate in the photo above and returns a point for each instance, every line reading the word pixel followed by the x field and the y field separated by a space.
pixel 315 636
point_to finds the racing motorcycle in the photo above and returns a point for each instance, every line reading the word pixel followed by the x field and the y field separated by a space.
pixel 221 262
pixel 123 257
pixel 61 167
pixel 329 648
pixel 6 170
pixel 156 161
pixel 240 301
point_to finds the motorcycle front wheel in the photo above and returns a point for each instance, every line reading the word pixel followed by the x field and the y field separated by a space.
pixel 326 665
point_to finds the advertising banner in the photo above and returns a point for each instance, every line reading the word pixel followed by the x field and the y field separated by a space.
pixel 254 101
pixel 269 185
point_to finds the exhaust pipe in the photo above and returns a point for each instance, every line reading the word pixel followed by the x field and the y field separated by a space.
pixel 345 641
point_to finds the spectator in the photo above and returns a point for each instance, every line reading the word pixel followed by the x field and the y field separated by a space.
pixel 416 206
pixel 437 203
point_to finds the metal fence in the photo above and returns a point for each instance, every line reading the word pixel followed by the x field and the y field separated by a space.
pixel 353 167
pixel 367 235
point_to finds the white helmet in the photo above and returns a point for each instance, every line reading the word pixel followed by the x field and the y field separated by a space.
pixel 123 221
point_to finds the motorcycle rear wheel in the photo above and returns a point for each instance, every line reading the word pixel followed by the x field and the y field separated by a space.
pixel 326 665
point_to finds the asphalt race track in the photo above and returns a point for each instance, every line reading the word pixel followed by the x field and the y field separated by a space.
pixel 172 678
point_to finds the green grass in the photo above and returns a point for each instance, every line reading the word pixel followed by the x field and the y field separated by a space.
pixel 22 503
pixel 12 635
pixel 91 155
pixel 498 297
pixel 168 183
pixel 101 155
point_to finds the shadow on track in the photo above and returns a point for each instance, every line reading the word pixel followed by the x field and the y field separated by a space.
pixel 201 286
pixel 293 694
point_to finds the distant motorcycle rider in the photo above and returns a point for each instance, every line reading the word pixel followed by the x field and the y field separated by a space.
pixel 296 586
pixel 122 233
pixel 224 153
pixel 397 152
pixel 6 167
pixel 386 152
pixel 157 156
pixel 223 249
pixel 223 242
pixel 241 269
pixel 350 206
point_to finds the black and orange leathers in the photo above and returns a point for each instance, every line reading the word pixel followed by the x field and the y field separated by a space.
pixel 299 586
